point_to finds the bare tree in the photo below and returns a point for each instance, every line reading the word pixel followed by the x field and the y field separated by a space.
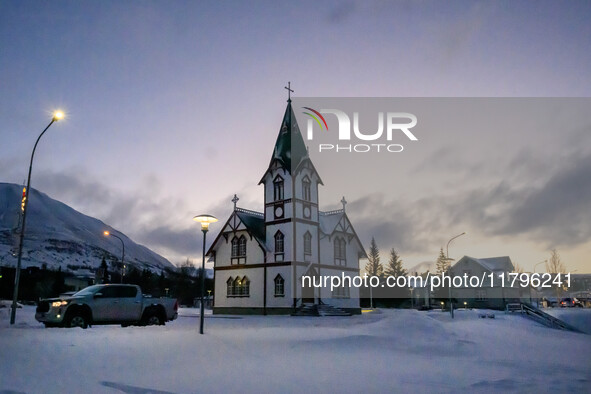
pixel 554 265
pixel 517 268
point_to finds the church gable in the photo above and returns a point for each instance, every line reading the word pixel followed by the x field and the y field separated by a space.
pixel 242 227
pixel 336 224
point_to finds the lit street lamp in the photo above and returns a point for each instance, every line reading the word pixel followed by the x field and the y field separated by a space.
pixel 58 115
pixel 451 306
pixel 205 221
pixel 122 255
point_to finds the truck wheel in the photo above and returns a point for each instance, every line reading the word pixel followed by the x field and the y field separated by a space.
pixel 153 318
pixel 77 320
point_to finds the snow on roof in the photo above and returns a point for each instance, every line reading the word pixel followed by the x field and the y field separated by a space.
pixel 254 222
pixel 502 263
pixel 329 220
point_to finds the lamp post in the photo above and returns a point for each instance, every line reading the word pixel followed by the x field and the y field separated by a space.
pixel 205 221
pixel 122 254
pixel 451 306
pixel 537 294
pixel 58 115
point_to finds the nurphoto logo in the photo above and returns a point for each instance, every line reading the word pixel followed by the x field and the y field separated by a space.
pixel 394 123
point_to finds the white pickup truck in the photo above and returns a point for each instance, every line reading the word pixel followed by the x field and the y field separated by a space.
pixel 106 304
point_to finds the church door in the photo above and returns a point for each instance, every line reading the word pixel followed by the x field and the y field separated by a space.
pixel 308 291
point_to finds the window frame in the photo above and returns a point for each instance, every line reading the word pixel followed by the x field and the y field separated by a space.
pixel 307 243
pixel 279 286
pixel 278 188
pixel 306 189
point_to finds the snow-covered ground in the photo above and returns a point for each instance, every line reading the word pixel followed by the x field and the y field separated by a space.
pixel 383 351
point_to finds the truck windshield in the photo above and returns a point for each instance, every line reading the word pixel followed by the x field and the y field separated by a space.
pixel 88 290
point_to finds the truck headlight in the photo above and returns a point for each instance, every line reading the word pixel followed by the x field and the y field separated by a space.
pixel 57 304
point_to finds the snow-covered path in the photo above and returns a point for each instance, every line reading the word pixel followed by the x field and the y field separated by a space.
pixel 384 351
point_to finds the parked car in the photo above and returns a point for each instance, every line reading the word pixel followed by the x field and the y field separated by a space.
pixel 570 303
pixel 106 304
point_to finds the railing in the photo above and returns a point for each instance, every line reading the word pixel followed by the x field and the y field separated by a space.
pixel 333 212
pixel 250 212
pixel 545 318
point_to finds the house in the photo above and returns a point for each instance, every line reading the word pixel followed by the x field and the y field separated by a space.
pixel 494 290
pixel 260 256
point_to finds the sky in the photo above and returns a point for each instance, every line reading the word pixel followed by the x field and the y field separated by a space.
pixel 172 107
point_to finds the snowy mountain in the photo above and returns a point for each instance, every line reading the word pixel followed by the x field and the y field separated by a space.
pixel 59 236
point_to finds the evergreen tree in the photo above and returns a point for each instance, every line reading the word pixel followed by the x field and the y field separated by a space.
pixel 104 271
pixel 442 264
pixel 394 267
pixel 374 267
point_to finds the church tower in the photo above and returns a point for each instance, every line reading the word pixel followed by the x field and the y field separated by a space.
pixel 291 199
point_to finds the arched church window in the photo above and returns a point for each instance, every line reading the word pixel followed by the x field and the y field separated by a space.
pixel 340 251
pixel 306 194
pixel 238 253
pixel 245 287
pixel 307 243
pixel 242 246
pixel 279 286
pixel 229 284
pixel 279 245
pixel 278 188
pixel 237 287
pixel 235 248
pixel 279 238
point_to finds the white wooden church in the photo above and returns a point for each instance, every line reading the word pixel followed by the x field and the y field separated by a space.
pixel 260 257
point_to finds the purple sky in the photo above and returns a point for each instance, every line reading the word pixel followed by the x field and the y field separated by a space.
pixel 174 106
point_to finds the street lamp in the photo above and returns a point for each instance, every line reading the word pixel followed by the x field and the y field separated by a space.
pixel 122 255
pixel 451 306
pixel 537 298
pixel 205 221
pixel 57 115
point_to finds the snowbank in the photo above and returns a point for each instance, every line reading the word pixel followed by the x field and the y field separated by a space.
pixel 394 350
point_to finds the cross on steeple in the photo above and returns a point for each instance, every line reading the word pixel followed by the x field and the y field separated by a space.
pixel 235 200
pixel 344 202
pixel 289 91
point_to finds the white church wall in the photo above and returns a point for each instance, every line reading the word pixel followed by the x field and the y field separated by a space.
pixel 286 229
pixel 255 299
pixel 279 302
pixel 301 229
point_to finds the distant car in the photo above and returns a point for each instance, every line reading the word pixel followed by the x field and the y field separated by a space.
pixel 106 304
pixel 570 303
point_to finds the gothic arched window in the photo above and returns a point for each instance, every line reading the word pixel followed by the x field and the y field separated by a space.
pixel 306 194
pixel 279 245
pixel 307 243
pixel 245 287
pixel 279 286
pixel 235 247
pixel 242 246
pixel 278 188
pixel 229 284
pixel 340 251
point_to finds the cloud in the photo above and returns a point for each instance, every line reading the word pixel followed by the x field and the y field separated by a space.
pixel 553 208
pixel 181 242
pixel 559 212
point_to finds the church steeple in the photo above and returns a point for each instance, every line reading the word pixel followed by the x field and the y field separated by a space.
pixel 289 148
